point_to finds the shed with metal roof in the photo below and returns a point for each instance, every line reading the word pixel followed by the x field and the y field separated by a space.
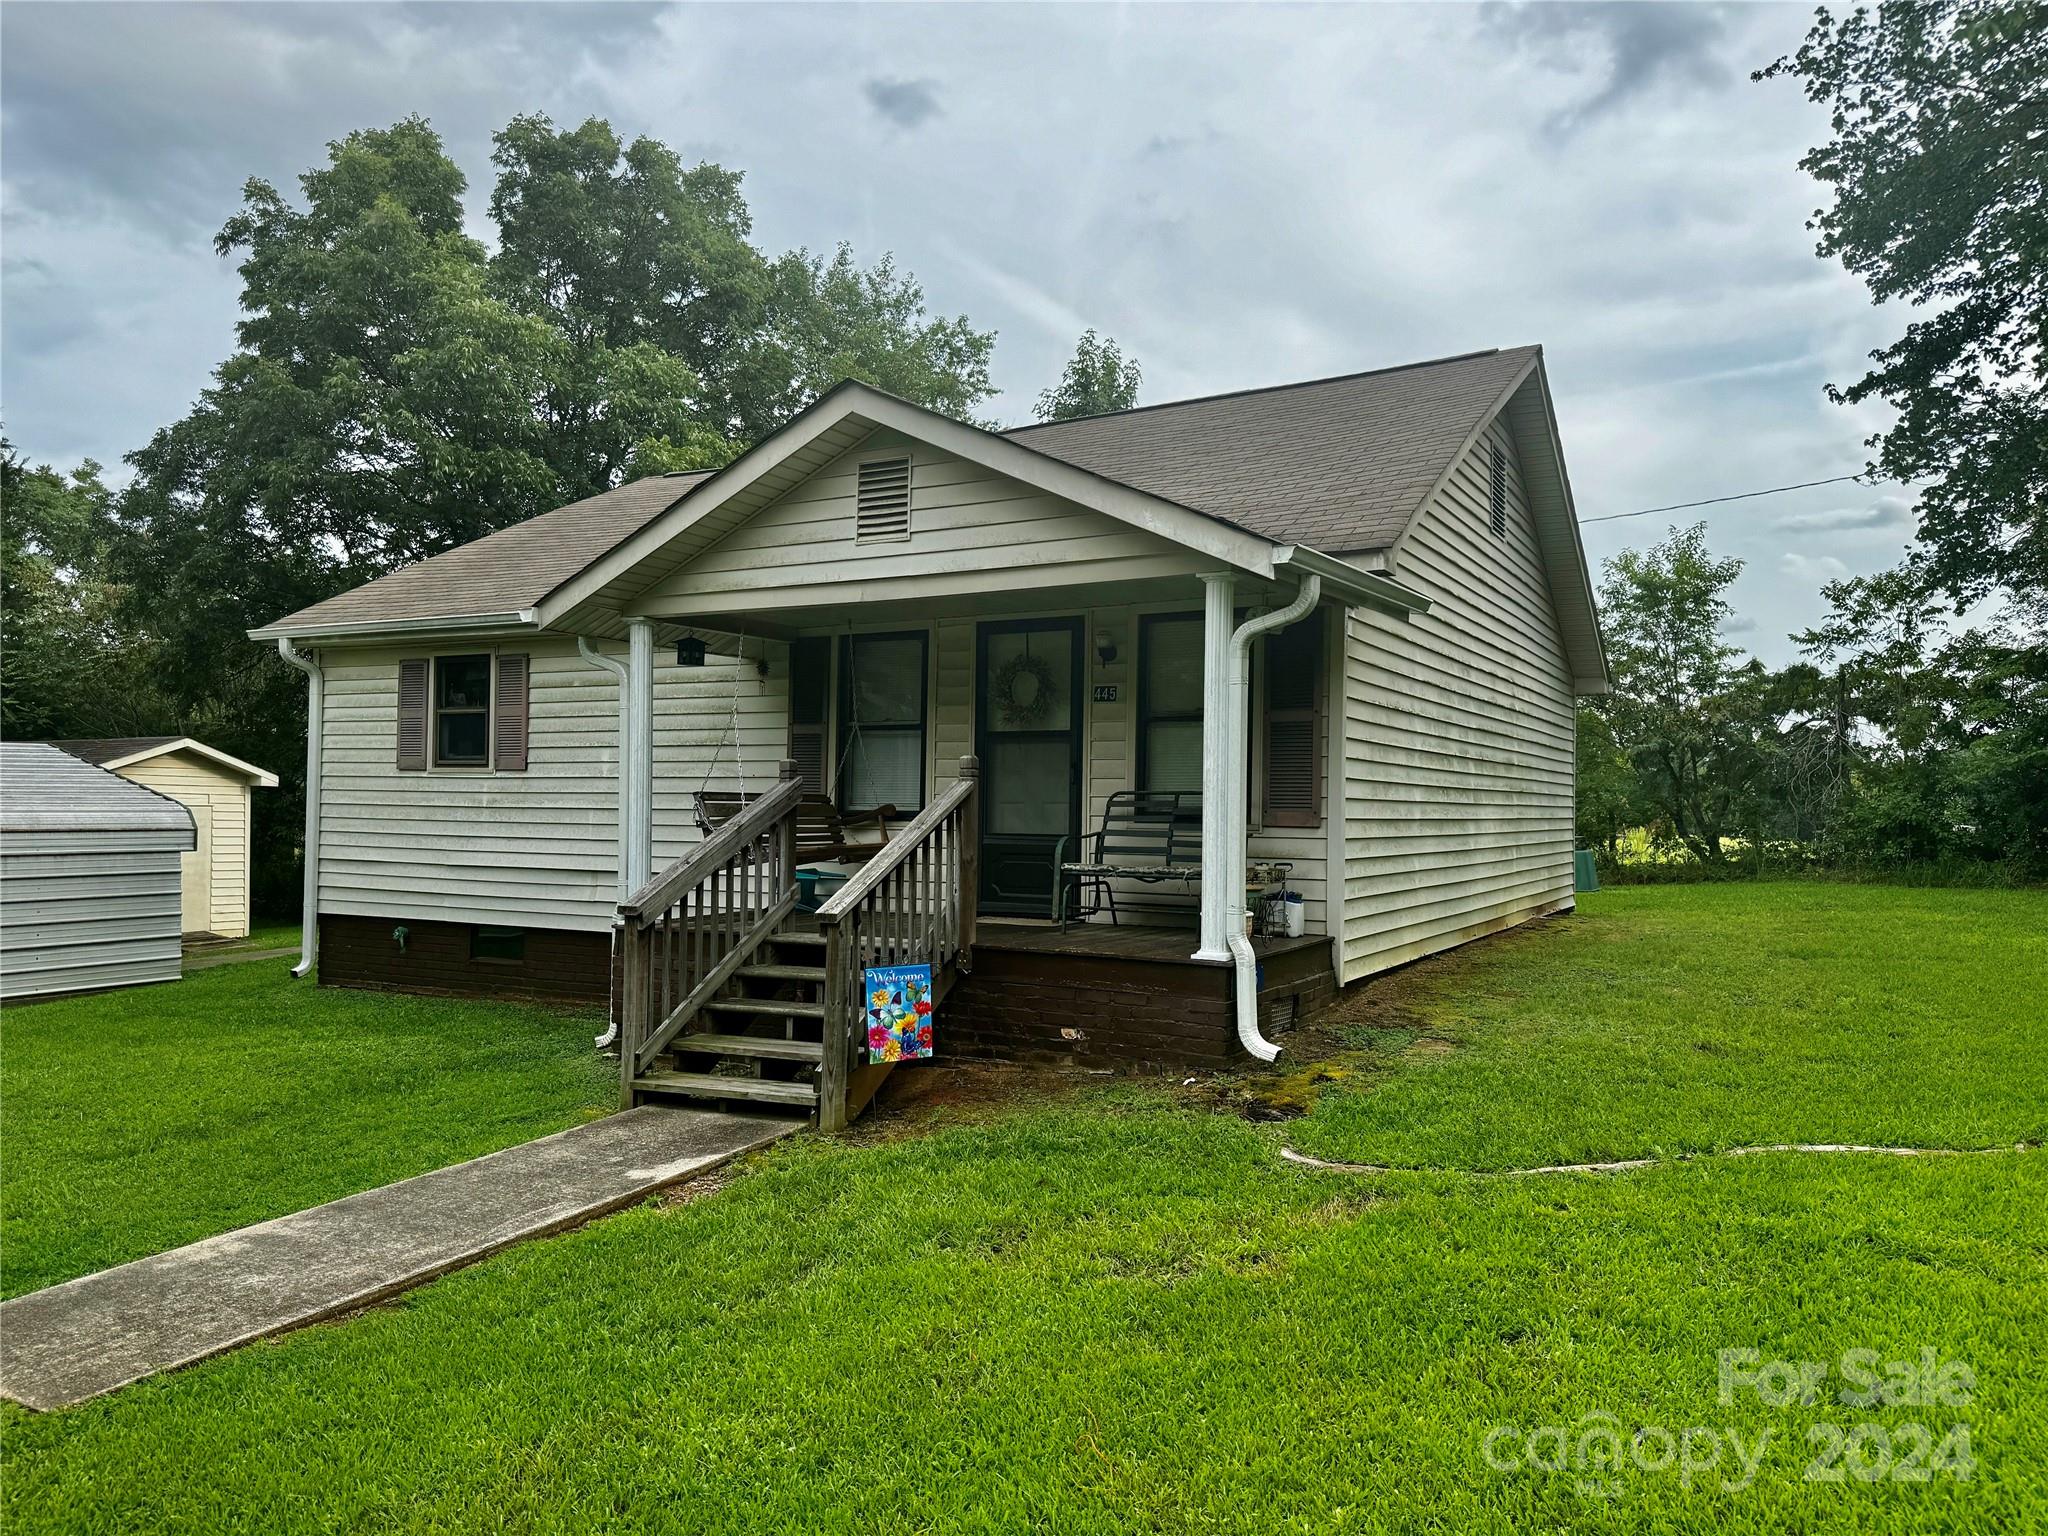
pixel 89 876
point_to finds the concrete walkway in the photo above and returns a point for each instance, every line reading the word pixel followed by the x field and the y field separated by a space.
pixel 76 1340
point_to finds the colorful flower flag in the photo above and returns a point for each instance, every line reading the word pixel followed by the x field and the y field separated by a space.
pixel 899 1012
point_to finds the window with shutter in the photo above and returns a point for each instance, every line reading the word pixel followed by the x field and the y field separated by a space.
pixel 412 715
pixel 462 711
pixel 882 502
pixel 1497 492
pixel 509 728
pixel 810 678
pixel 1294 725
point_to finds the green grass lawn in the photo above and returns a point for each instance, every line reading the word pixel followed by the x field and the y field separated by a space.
pixel 136 1121
pixel 1117 1308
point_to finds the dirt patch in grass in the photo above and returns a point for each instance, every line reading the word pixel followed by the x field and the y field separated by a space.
pixel 914 1099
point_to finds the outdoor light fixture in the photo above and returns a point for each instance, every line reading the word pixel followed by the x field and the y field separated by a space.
pixel 689 652
pixel 1105 647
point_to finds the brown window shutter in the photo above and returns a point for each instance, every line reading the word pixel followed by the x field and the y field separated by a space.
pixel 508 728
pixel 412 715
pixel 1294 725
pixel 810 669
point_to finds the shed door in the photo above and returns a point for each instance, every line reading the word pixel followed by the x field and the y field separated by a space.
pixel 197 869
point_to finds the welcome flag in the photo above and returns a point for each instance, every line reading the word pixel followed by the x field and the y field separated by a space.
pixel 899 1012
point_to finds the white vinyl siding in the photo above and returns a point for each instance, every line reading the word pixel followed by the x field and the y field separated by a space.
pixel 1458 733
pixel 970 530
pixel 223 797
pixel 540 848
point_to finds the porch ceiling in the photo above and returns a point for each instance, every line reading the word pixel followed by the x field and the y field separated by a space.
pixel 880 610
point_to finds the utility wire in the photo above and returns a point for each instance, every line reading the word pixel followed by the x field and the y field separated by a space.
pixel 1680 506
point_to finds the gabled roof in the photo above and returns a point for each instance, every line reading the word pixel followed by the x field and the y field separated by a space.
pixel 1341 464
pixel 113 752
pixel 501 576
pixel 1257 478
pixel 45 790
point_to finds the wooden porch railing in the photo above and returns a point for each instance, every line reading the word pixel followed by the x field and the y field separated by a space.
pixel 684 933
pixel 914 903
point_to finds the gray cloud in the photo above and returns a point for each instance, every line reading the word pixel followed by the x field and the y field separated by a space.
pixel 1330 206
pixel 1636 45
pixel 157 113
pixel 906 103
pixel 1887 513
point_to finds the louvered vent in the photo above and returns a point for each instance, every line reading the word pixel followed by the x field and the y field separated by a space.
pixel 1291 768
pixel 1497 493
pixel 882 505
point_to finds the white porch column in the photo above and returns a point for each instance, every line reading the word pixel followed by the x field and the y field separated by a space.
pixel 1218 609
pixel 636 753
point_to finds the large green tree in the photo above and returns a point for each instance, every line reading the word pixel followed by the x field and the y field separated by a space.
pixel 72 667
pixel 399 389
pixel 1691 717
pixel 1098 378
pixel 1938 166
pixel 620 243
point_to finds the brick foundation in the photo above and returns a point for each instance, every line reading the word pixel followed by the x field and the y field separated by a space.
pixel 560 966
pixel 1115 1011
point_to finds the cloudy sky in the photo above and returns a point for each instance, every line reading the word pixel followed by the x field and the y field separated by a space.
pixel 1240 195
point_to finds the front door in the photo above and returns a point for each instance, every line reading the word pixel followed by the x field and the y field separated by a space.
pixel 1027 732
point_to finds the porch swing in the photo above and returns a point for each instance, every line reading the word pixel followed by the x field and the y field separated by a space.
pixel 824 835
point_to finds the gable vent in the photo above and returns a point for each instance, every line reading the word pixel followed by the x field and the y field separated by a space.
pixel 882 504
pixel 1497 493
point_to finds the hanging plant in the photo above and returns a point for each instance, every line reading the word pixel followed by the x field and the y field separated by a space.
pixel 1023 691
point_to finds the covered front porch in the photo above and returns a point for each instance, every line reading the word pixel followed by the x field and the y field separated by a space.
pixel 997 653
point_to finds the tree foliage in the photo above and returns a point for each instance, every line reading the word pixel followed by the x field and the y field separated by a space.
pixel 1897 742
pixel 73 668
pixel 1939 170
pixel 1098 378
pixel 398 389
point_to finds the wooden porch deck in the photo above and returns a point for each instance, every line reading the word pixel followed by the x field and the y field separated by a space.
pixel 1127 996
pixel 1161 944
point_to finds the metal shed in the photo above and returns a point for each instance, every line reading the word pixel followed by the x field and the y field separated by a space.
pixel 90 886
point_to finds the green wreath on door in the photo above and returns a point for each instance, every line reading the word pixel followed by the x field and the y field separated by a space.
pixel 1023 691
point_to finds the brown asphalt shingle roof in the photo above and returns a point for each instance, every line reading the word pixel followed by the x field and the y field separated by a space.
pixel 511 569
pixel 1338 464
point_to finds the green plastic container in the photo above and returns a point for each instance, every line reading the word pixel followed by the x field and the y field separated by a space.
pixel 1584 876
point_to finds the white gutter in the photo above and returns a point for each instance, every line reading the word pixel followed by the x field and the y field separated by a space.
pixel 522 618
pixel 1347 584
pixel 1244 962
pixel 617 669
pixel 309 902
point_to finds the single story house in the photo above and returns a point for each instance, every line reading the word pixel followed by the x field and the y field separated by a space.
pixel 1322 638
pixel 217 789
pixel 89 876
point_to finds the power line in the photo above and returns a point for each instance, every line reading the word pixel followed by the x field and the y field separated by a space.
pixel 1680 506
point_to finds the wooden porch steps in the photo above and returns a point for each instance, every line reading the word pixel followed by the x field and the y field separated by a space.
pixel 762 1046
pixel 766 1008
pixel 811 973
pixel 729 992
pixel 711 1085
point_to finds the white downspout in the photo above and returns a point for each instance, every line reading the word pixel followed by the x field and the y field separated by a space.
pixel 1244 961
pixel 617 669
pixel 309 901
